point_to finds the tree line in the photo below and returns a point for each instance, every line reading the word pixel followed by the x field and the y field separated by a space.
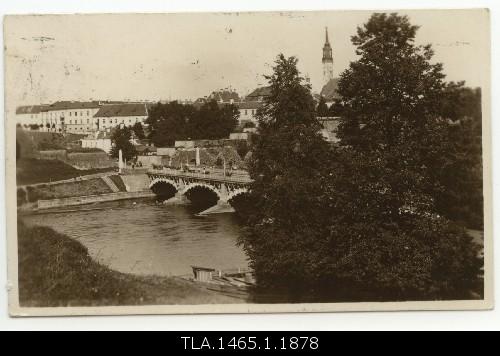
pixel 381 215
pixel 174 121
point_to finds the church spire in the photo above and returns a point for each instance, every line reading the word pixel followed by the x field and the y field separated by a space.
pixel 327 59
pixel 327 49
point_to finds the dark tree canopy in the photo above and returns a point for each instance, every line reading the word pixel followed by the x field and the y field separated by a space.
pixel 393 90
pixel 120 139
pixel 138 130
pixel 173 121
pixel 322 108
pixel 359 221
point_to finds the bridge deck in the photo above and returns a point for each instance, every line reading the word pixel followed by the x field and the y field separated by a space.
pixel 214 175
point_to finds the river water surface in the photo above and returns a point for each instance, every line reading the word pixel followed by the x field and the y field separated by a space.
pixel 143 237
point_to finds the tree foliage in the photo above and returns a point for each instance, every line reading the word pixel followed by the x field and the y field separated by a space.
pixel 138 130
pixel 461 173
pixel 322 108
pixel 173 121
pixel 359 221
pixel 120 139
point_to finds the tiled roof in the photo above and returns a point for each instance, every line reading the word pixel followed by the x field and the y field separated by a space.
pixel 259 92
pixel 329 91
pixel 122 110
pixel 31 109
pixel 224 96
pixel 66 105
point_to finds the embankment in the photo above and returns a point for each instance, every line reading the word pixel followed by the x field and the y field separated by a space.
pixel 88 199
pixel 84 190
pixel 55 270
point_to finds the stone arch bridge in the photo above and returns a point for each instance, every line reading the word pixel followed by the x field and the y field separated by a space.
pixel 224 186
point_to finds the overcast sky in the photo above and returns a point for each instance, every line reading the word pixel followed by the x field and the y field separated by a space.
pixel 186 56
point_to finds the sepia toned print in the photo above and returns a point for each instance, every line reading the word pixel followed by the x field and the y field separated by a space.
pixel 248 162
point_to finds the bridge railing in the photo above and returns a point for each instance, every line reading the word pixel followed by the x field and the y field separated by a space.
pixel 236 176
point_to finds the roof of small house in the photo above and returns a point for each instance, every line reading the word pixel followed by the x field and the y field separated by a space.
pixel 122 110
pixel 224 96
pixel 259 92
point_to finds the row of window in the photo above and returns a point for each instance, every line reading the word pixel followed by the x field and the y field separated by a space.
pixel 252 111
pixel 71 113
pixel 130 121
pixel 80 122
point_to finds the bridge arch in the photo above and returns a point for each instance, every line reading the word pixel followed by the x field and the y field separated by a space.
pixel 201 185
pixel 163 180
pixel 237 192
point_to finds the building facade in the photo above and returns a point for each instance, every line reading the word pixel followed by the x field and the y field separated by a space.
pixel 128 114
pixel 99 139
pixel 29 115
pixel 69 116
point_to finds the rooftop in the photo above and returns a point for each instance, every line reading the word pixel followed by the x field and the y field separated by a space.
pixel 65 105
pixel 30 109
pixel 122 110
pixel 329 91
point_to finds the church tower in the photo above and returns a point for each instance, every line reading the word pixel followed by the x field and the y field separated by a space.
pixel 327 60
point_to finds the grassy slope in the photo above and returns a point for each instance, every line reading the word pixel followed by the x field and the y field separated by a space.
pixel 64 190
pixel 55 270
pixel 32 171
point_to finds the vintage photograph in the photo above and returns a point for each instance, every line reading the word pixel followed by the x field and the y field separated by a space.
pixel 248 162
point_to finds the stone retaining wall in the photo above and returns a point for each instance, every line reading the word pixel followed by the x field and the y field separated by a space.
pixel 55 203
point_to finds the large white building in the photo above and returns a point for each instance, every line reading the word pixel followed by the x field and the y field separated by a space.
pixel 29 115
pixel 128 114
pixel 69 116
pixel 82 117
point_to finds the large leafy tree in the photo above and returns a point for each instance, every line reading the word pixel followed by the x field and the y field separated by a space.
pixel 396 103
pixel 138 130
pixel 359 221
pixel 285 216
pixel 120 138
pixel 397 137
pixel 461 174
pixel 393 90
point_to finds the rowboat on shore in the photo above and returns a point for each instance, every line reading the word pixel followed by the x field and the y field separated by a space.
pixel 232 282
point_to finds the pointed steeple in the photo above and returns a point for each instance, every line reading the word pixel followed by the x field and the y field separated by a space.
pixel 327 49
pixel 327 60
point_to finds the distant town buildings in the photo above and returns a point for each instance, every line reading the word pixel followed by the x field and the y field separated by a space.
pixel 96 118
pixel 82 117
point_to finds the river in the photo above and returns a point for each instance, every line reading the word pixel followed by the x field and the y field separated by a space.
pixel 143 237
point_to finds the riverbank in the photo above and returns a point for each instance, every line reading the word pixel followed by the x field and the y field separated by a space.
pixel 89 199
pixel 55 270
